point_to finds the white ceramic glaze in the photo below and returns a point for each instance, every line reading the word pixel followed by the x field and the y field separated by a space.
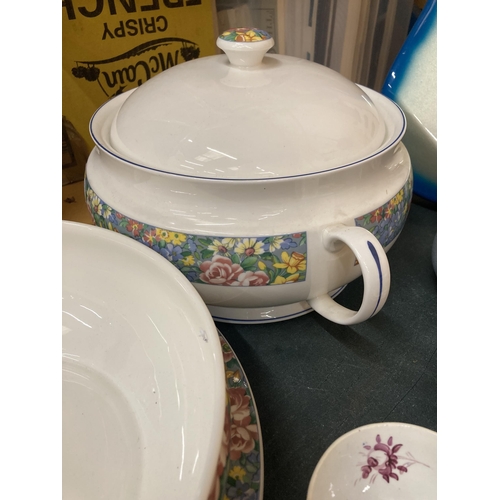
pixel 381 461
pixel 143 385
pixel 245 177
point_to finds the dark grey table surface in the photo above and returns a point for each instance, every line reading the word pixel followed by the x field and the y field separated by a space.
pixel 314 381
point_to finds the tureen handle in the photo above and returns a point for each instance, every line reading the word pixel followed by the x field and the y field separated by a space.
pixel 245 47
pixel 374 266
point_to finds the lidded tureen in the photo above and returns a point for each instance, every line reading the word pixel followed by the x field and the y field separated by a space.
pixel 270 181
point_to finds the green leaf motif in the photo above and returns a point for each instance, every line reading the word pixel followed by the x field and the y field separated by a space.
pixel 267 256
pixel 206 254
pixel 275 259
pixel 251 468
pixel 249 263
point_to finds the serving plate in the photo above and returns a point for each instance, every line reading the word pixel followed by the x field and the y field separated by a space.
pixel 243 462
pixel 143 382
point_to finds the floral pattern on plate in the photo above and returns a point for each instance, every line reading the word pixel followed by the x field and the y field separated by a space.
pixel 382 459
pixel 214 260
pixel 387 221
pixel 243 469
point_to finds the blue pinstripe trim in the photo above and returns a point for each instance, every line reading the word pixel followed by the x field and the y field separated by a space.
pixel 377 260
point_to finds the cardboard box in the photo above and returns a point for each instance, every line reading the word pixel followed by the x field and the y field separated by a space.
pixel 111 46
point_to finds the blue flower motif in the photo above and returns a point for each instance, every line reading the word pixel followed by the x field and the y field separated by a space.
pixel 288 243
pixel 256 477
pixel 284 244
pixel 191 276
pixel 175 252
pixel 254 457
pixel 191 245
pixel 113 219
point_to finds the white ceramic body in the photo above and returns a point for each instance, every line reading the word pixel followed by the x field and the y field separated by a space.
pixel 382 461
pixel 143 385
pixel 303 204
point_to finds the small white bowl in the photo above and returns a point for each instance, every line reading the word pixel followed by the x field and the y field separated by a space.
pixel 381 461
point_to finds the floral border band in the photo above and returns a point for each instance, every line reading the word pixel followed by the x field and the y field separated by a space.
pixel 214 260
pixel 240 471
pixel 243 261
pixel 387 221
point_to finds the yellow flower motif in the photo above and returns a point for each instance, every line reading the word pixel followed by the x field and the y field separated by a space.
pixel 243 36
pixel 249 246
pixel 251 36
pixel 229 242
pixel 398 198
pixel 175 238
pixel 110 226
pixel 106 212
pixel 188 261
pixel 219 247
pixel 237 472
pixel 261 265
pixel 236 376
pixel 292 263
pixel 96 205
pixel 291 279
pixel 161 234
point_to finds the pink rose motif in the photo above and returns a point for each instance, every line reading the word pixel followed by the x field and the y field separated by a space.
pixel 242 440
pixel 240 405
pixel 243 432
pixel 250 278
pixel 220 271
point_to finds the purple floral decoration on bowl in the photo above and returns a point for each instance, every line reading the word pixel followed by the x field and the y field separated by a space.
pixel 383 459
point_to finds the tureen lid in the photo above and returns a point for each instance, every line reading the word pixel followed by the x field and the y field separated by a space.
pixel 245 115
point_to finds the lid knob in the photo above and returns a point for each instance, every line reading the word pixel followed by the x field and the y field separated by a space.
pixel 245 47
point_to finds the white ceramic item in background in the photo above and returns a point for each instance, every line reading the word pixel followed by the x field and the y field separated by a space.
pixel 269 181
pixel 412 83
pixel 381 461
pixel 143 385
